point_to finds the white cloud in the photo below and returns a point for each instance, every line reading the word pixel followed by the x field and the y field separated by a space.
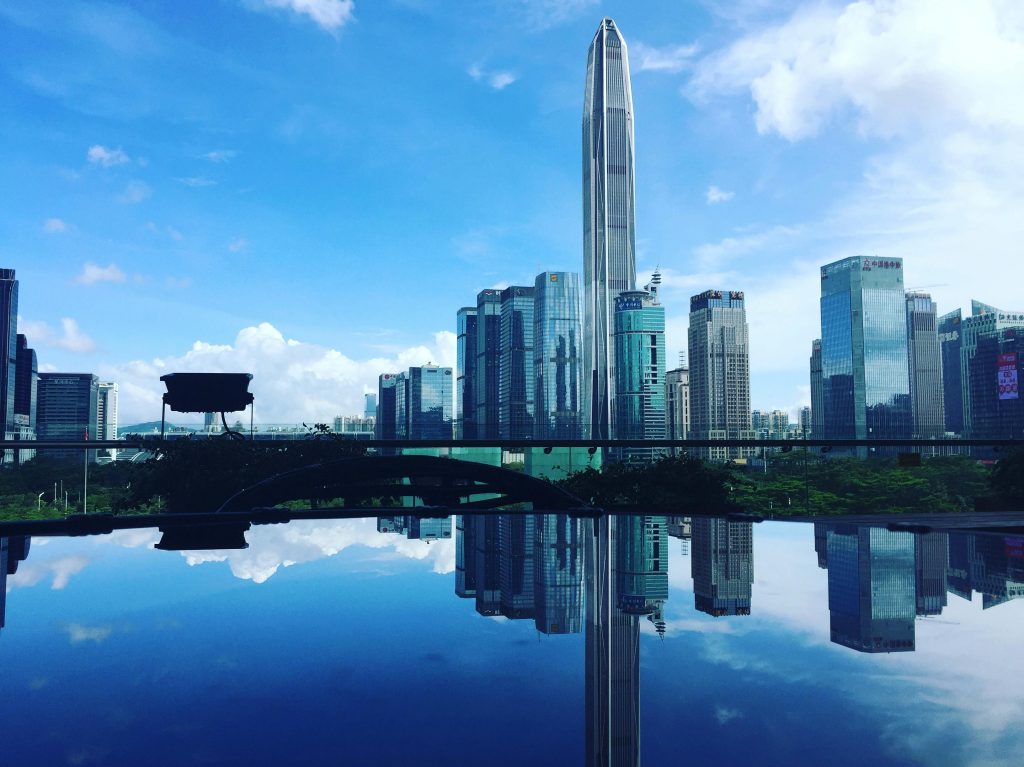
pixel 294 381
pixel 646 58
pixel 714 195
pixel 330 15
pixel 70 339
pixel 220 155
pixel 725 715
pixel 32 571
pixel 101 155
pixel 499 80
pixel 79 633
pixel 196 181
pixel 91 274
pixel 134 192
pixel 54 226
pixel 542 14
pixel 238 245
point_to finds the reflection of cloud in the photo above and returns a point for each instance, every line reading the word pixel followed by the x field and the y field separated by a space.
pixel 32 572
pixel 725 715
pixel 79 633
pixel 273 547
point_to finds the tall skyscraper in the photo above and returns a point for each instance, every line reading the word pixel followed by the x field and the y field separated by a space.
pixel 864 355
pixel 106 414
pixel 952 380
pixel 871 588
pixel 485 383
pixel 68 409
pixel 428 406
pixel 8 346
pixel 465 373
pixel 817 391
pixel 609 253
pixel 370 407
pixel 556 356
pixel 993 373
pixel 804 421
pixel 722 565
pixel 639 371
pixel 719 352
pixel 515 363
pixel 925 366
pixel 26 385
pixel 388 386
pixel 985 322
pixel 677 402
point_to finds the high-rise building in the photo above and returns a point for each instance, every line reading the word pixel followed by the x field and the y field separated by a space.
pixel 67 409
pixel 993 373
pixel 370 408
pixel 8 347
pixel 952 379
pixel 677 403
pixel 871 588
pixel 719 352
pixel 106 415
pixel 465 373
pixel 985 322
pixel 864 356
pixel 485 372
pixel 388 387
pixel 26 385
pixel 609 252
pixel 515 363
pixel 817 392
pixel 639 371
pixel 925 366
pixel 722 565
pixel 427 407
pixel 558 574
pixel 804 420
pixel 556 356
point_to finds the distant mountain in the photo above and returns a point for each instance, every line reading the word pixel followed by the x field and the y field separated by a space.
pixel 149 427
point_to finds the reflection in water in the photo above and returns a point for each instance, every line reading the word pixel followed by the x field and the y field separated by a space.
pixel 722 566
pixel 13 550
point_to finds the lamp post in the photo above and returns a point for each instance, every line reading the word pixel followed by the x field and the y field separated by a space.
pixel 39 501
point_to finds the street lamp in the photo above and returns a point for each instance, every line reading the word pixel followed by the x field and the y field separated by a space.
pixel 39 501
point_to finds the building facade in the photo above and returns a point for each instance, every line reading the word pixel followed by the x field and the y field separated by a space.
pixel 639 372
pixel 388 387
pixel 26 386
pixel 993 373
pixel 925 367
pixel 465 373
pixel 106 415
pixel 68 409
pixel 817 391
pixel 864 358
pixel 985 322
pixel 558 574
pixel 485 373
pixel 427 410
pixel 516 363
pixel 609 251
pixel 677 404
pixel 557 342
pixel 8 347
pixel 952 380
pixel 719 352
pixel 722 565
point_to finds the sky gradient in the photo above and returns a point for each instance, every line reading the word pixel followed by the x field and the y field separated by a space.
pixel 309 189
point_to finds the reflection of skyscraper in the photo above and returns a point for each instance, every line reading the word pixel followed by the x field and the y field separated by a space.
pixel 612 662
pixel 391 525
pixel 465 557
pixel 871 590
pixel 722 564
pixel 515 565
pixel 931 555
pixel 13 550
pixel 428 529
pixel 990 564
pixel 486 562
pixel 558 574
pixel 609 258
pixel 821 543
pixel 641 563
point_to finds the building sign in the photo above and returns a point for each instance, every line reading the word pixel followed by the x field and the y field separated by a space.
pixel 1007 376
pixel 626 304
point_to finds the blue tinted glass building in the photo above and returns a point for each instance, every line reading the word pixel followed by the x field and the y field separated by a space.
pixel 515 363
pixel 952 381
pixel 8 346
pixel 388 386
pixel 817 391
pixel 639 372
pixel 556 356
pixel 465 375
pixel 925 367
pixel 985 322
pixel 428 404
pixel 864 358
pixel 26 385
pixel 609 257
pixel 994 372
pixel 485 373
pixel 67 409
pixel 558 574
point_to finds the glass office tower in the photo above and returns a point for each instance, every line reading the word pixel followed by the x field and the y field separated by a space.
pixel 817 391
pixel 388 387
pixel 609 259
pixel 485 373
pixel 428 410
pixel 952 386
pixel 67 409
pixel 8 346
pixel 985 321
pixel 925 364
pixel 640 372
pixel 556 356
pixel 864 358
pixel 515 363
pixel 465 376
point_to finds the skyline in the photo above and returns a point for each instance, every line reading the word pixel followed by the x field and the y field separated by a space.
pixel 770 163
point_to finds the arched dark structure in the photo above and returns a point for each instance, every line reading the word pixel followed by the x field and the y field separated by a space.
pixel 442 482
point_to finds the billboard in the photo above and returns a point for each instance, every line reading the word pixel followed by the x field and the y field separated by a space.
pixel 1007 376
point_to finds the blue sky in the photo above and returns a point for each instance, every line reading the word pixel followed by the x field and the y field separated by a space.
pixel 309 189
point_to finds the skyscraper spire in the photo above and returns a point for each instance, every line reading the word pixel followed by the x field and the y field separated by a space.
pixel 609 257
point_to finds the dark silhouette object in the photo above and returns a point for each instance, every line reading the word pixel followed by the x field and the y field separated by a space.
pixel 207 393
pixel 204 537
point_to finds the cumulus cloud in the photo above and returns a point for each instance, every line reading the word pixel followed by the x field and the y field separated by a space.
pixel 33 570
pixel 499 80
pixel 294 381
pixel 714 195
pixel 79 633
pixel 70 338
pixel 135 192
pixel 91 274
pixel 54 226
pixel 107 158
pixel 330 15
pixel 674 58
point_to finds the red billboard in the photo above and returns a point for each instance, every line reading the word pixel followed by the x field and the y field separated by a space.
pixel 1007 376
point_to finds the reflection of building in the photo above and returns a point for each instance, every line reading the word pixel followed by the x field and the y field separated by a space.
pixel 486 562
pixel 992 565
pixel 871 588
pixel 821 543
pixel 556 356
pixel 516 565
pixel 641 563
pixel 13 550
pixel 864 349
pixel 931 554
pixel 609 257
pixel 428 528
pixel 722 564
pixel 558 574
pixel 640 370
pixel 681 528
pixel 719 353
pixel 391 525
